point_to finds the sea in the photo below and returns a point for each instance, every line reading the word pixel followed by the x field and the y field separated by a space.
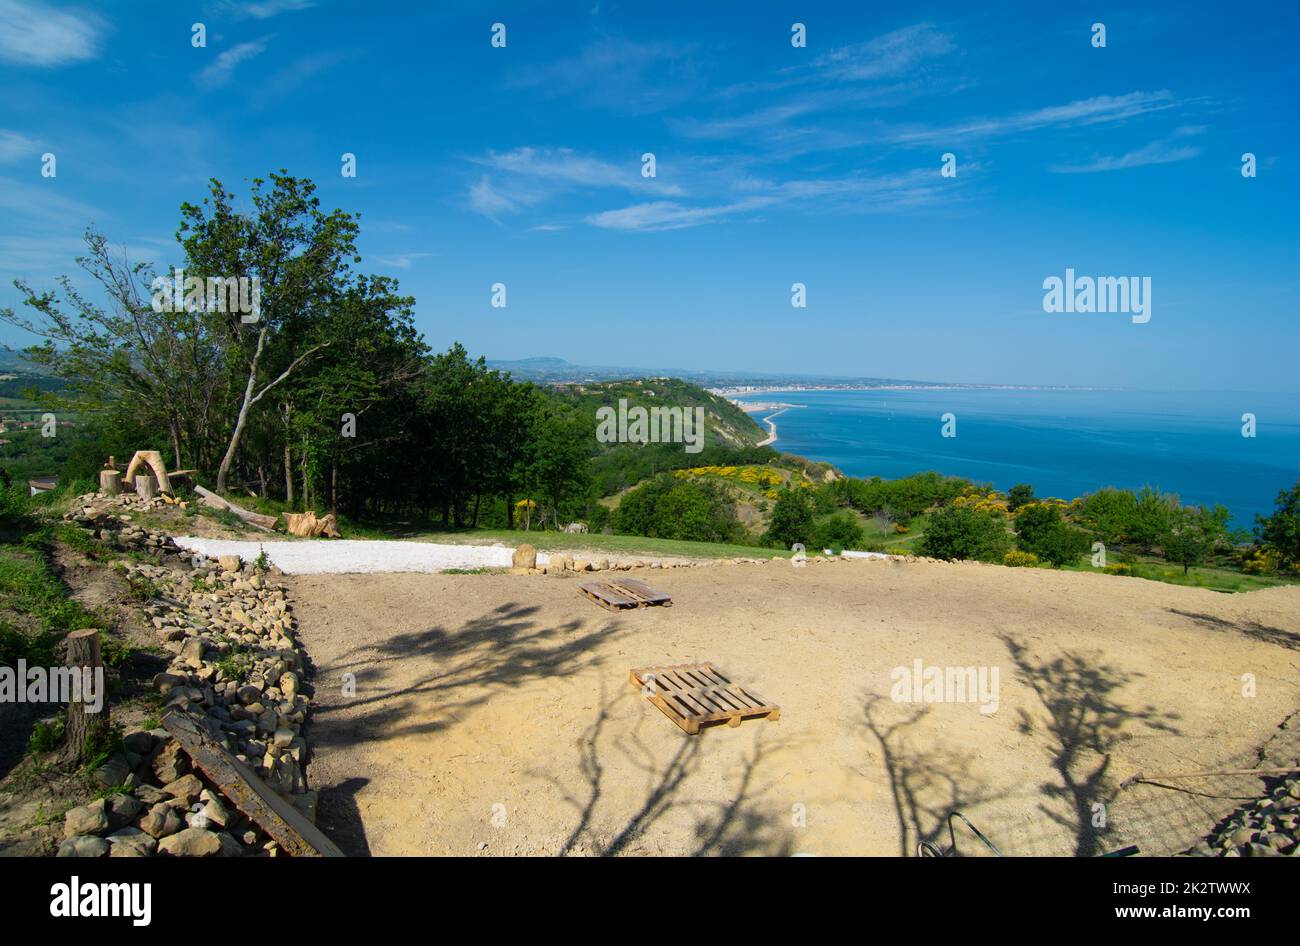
pixel 1065 442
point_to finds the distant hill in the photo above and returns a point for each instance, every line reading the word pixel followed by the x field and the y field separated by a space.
pixel 548 370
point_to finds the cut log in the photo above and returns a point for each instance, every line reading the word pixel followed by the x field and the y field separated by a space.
pixel 145 487
pixel 279 818
pixel 210 498
pixel 110 482
pixel 82 652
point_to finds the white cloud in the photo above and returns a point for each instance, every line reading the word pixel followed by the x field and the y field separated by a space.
pixel 221 69
pixel 886 56
pixel 265 9
pixel 1158 152
pixel 14 146
pixel 33 34
pixel 1082 112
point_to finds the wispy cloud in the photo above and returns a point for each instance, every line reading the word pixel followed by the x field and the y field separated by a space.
pixel 1157 152
pixel 402 260
pixel 1082 112
pixel 34 34
pixel 887 56
pixel 14 146
pixel 221 69
pixel 889 193
pixel 526 177
pixel 265 9
pixel 616 73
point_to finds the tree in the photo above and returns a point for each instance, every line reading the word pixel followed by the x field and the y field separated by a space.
pixel 839 530
pixel 961 532
pixel 1281 530
pixel 1019 495
pixel 1041 530
pixel 1193 534
pixel 299 257
pixel 792 518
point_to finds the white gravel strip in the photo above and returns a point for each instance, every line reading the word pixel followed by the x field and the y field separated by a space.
pixel 350 556
pixel 848 554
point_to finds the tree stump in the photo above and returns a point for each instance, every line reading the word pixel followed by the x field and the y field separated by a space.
pixel 110 482
pixel 145 486
pixel 82 651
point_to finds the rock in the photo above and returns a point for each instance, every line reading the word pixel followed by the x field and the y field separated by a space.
pixel 149 794
pixel 229 846
pixel 160 821
pixel 581 565
pixel 192 842
pixel 113 771
pixel 187 788
pixel 122 810
pixel 170 763
pixel 141 743
pixel 83 845
pixel 289 685
pixel 525 557
pixel 230 563
pixel 88 819
pixel 131 842
pixel 192 652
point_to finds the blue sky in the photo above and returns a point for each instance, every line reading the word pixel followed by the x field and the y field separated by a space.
pixel 775 165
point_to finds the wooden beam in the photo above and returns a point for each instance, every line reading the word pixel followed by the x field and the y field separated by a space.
pixel 265 523
pixel 288 826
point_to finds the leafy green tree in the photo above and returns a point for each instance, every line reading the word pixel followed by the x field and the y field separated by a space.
pixel 840 530
pixel 792 518
pixel 1194 534
pixel 1281 530
pixel 1043 531
pixel 961 532
pixel 1019 495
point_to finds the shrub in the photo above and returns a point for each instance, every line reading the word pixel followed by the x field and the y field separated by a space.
pixel 960 532
pixel 1280 532
pixel 1043 531
pixel 1120 568
pixel 792 519
pixel 683 509
pixel 1019 495
pixel 1017 559
pixel 840 530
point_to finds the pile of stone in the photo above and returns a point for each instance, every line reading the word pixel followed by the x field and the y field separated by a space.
pixel 131 502
pixel 524 562
pixel 1267 827
pixel 235 661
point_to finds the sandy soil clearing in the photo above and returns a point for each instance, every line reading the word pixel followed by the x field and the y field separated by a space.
pixel 493 713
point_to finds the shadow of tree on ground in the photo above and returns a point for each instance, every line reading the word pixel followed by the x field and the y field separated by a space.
pixel 1252 629
pixel 738 824
pixel 1084 724
pixel 925 786
pixel 501 649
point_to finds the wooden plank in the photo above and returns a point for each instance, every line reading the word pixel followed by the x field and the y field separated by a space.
pixel 288 826
pixel 692 695
pixel 641 590
pixel 265 523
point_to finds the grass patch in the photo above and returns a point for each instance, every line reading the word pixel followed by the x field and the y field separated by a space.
pixel 612 544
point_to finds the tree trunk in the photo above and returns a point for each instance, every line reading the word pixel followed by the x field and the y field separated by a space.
pixel 510 512
pixel 82 651
pixel 242 421
pixel 474 521
pixel 334 487
pixel 288 475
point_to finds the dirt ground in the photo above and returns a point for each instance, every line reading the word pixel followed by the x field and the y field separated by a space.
pixel 493 714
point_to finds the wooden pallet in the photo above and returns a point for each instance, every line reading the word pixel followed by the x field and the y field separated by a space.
pixel 693 695
pixel 619 594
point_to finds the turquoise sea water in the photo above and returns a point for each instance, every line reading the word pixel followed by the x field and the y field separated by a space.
pixel 1066 443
